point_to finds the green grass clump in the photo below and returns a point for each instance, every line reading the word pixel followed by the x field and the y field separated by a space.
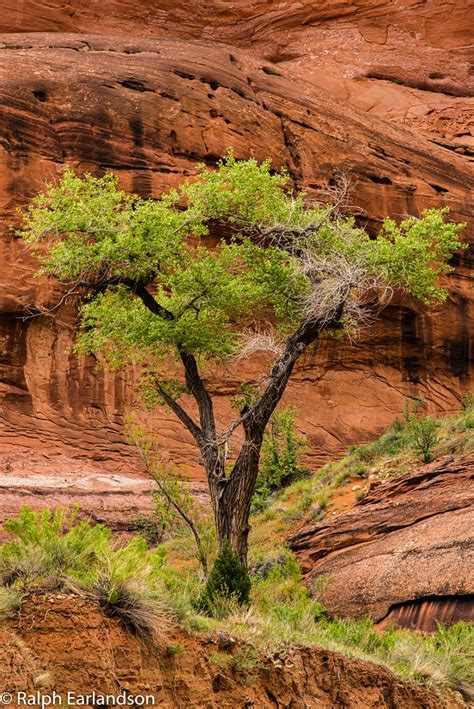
pixel 124 582
pixel 244 663
pixel 173 649
pixel 280 460
pixel 49 546
pixel 390 444
pixel 56 551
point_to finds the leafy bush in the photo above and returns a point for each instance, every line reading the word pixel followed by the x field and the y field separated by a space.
pixel 228 579
pixel 466 418
pixel 149 527
pixel 280 458
pixel 423 431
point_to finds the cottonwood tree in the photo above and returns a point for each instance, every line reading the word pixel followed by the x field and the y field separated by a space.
pixel 283 274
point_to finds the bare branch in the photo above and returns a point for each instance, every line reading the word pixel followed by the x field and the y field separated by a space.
pixel 253 341
pixel 337 193
pixel 151 468
pixel 37 310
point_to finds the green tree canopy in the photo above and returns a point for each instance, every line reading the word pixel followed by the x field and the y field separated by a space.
pixel 279 251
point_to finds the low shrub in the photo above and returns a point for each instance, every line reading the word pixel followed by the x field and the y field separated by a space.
pixel 359 469
pixel 53 550
pixel 10 602
pixel 423 431
pixel 148 527
pixel 245 662
pixel 228 579
pixel 47 546
pixel 467 401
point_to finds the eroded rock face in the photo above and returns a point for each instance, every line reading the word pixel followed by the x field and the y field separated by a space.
pixel 150 110
pixel 404 555
pixel 406 61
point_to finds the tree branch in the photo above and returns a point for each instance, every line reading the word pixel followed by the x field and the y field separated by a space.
pixel 151 303
pixel 137 287
pixel 197 388
pixel 184 417
pixel 35 311
pixel 307 333
pixel 151 470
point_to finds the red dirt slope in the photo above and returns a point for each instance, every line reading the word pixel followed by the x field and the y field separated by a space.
pixel 67 644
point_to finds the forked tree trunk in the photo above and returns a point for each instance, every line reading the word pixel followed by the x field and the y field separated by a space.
pixel 234 498
pixel 231 495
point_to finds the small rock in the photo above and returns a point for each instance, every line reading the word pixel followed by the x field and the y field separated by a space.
pixel 355 487
pixel 224 641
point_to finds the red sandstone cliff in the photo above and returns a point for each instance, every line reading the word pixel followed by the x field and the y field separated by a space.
pixel 150 109
pixel 406 61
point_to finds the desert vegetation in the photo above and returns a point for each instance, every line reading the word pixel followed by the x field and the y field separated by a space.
pixel 147 593
pixel 148 588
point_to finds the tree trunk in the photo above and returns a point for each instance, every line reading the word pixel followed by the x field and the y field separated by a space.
pixel 235 498
pixel 231 496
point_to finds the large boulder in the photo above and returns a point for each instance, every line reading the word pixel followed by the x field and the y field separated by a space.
pixel 405 554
